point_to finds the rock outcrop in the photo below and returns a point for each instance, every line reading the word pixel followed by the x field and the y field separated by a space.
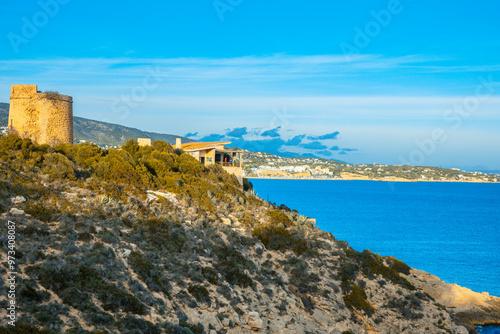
pixel 470 307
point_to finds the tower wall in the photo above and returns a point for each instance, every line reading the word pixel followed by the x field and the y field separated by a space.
pixel 43 117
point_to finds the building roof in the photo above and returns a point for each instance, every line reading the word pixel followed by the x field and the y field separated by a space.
pixel 198 146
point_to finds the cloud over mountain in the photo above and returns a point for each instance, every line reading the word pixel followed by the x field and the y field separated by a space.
pixel 332 135
pixel 280 142
pixel 271 133
pixel 315 145
pixel 237 132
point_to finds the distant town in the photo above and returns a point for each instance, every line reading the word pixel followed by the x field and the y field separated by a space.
pixel 264 165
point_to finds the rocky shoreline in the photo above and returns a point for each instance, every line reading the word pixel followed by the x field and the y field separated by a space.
pixel 472 308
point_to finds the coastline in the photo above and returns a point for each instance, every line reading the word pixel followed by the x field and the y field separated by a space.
pixel 362 179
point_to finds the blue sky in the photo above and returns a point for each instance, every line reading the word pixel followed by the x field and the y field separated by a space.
pixel 397 81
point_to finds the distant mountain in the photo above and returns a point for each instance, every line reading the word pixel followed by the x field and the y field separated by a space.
pixel 102 133
pixel 4 114
pixel 113 134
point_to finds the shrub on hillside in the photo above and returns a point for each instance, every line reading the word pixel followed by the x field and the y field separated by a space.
pixel 301 277
pixel 398 266
pixel 200 293
pixel 277 217
pixel 41 212
pixel 356 299
pixel 279 238
pixel 148 273
pixel 232 264
pixel 75 284
pixel 58 166
pixel 373 264
pixel 13 147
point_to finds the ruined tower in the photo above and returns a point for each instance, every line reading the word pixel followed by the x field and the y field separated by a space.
pixel 45 118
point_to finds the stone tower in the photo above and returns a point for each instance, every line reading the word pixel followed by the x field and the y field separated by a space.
pixel 45 118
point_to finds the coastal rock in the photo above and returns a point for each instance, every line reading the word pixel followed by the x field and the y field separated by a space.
pixel 172 198
pixel 254 321
pixel 460 330
pixel 16 211
pixel 18 200
pixel 125 253
pixel 226 221
pixel 471 307
pixel 226 322
pixel 321 318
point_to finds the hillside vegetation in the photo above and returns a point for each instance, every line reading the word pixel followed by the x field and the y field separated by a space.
pixel 147 240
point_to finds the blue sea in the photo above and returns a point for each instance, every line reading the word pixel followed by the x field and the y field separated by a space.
pixel 450 230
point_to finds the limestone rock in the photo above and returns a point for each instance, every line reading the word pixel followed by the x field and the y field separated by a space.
pixel 471 307
pixel 15 211
pixel 125 253
pixel 460 330
pixel 18 200
pixel 320 317
pixel 226 221
pixel 172 198
pixel 254 321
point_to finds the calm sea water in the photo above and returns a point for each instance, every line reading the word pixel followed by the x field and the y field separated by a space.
pixel 451 230
pixel 488 329
pixel 448 229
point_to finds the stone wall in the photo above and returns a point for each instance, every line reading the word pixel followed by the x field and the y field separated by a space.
pixel 144 141
pixel 237 171
pixel 45 118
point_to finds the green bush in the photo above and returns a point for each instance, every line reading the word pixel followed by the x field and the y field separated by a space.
pixel 28 293
pixel 247 185
pixel 231 264
pixel 398 266
pixel 23 328
pixel 156 230
pixel 301 277
pixel 130 324
pixel 200 293
pixel 211 275
pixel 87 154
pixel 40 212
pixel 409 307
pixel 277 217
pixel 140 265
pixel 356 299
pixel 372 264
pixel 279 238
pixel 116 300
pixel 76 283
pixel 146 271
pixel 58 166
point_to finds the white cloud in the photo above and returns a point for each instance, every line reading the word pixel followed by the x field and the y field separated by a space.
pixel 321 92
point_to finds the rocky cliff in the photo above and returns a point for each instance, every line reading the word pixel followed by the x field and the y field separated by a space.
pixel 144 240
